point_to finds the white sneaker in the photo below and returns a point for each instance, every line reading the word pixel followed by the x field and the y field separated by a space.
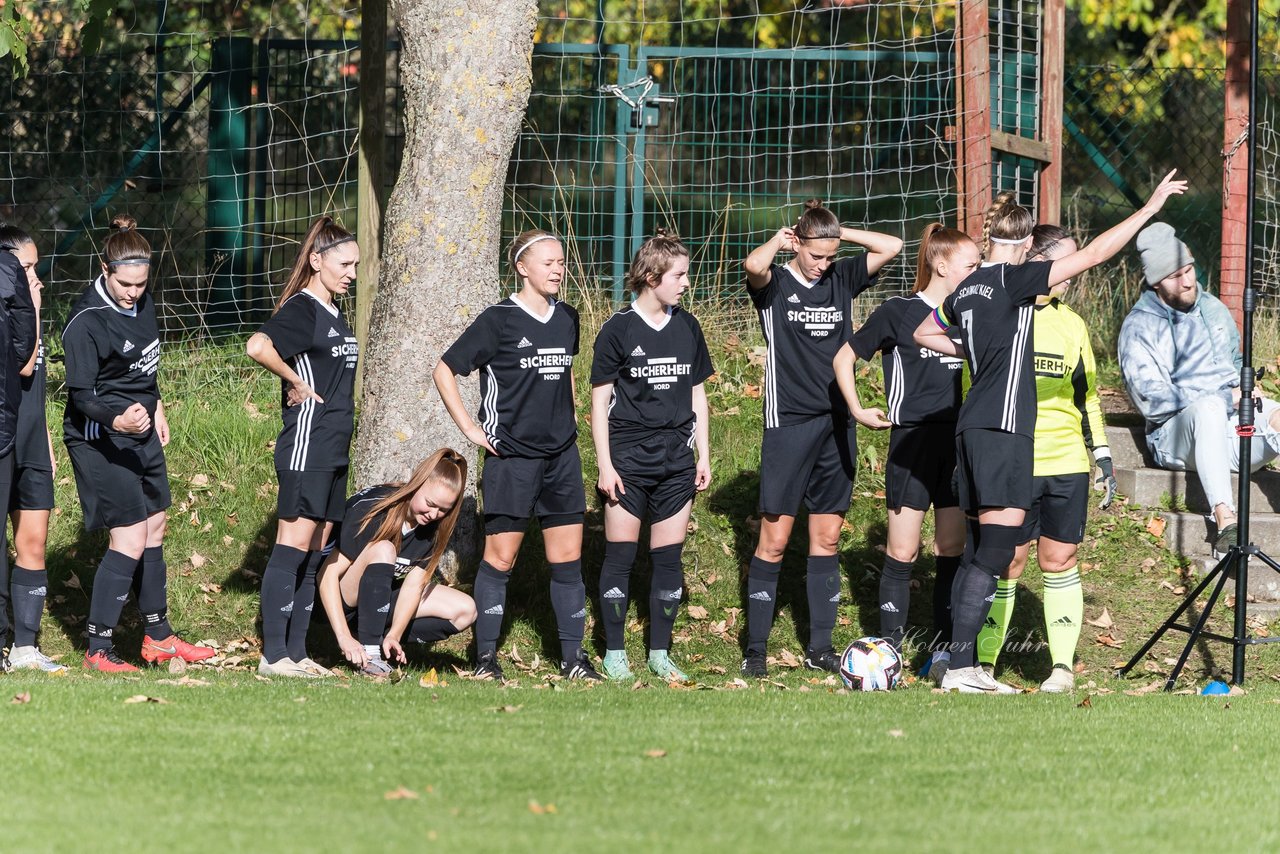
pixel 974 680
pixel 30 658
pixel 283 667
pixel 315 668
pixel 990 670
pixel 1060 681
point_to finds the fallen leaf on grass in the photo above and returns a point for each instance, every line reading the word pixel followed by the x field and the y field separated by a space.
pixel 1108 640
pixel 430 679
pixel 1155 526
pixel 1149 688
pixel 736 684
pixel 655 754
pixel 511 710
pixel 21 699
pixel 1104 620
pixel 400 794
pixel 541 809
pixel 786 659
pixel 717 669
pixel 639 684
pixel 191 683
pixel 896 733
pixel 177 665
pixel 1086 703
pixel 143 698
pixel 751 391
pixel 200 480
pixel 697 612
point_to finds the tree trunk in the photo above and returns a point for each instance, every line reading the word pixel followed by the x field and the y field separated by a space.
pixel 466 73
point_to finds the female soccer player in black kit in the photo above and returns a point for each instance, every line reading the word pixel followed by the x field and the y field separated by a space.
pixel 648 412
pixel 524 348
pixel 115 429
pixel 31 496
pixel 379 577
pixel 809 447
pixel 309 346
pixel 922 392
pixel 993 310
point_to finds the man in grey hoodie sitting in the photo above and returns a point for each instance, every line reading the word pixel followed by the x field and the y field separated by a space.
pixel 1180 357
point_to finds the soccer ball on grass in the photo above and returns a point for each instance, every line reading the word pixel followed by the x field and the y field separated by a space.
pixel 870 664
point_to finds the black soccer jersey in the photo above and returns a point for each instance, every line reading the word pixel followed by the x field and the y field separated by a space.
pixel 920 386
pixel 33 441
pixel 653 370
pixel 416 542
pixel 315 340
pixel 526 381
pixel 113 351
pixel 804 324
pixel 993 308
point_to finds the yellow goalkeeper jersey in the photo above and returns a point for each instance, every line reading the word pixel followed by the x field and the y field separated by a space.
pixel 1068 415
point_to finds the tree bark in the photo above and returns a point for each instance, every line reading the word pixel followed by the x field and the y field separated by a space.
pixel 465 67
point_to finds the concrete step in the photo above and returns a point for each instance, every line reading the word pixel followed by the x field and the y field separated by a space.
pixel 1129 447
pixel 1188 533
pixel 1152 487
pixel 1263 587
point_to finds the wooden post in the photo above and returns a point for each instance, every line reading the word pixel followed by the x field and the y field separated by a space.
pixel 371 174
pixel 973 109
pixel 1235 159
pixel 1052 55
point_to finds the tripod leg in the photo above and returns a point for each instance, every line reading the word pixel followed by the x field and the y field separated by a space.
pixel 1173 618
pixel 1233 555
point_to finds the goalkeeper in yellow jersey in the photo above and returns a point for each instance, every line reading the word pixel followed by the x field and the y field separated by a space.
pixel 1068 423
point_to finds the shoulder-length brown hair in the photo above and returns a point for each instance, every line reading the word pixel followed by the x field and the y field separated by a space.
pixel 445 466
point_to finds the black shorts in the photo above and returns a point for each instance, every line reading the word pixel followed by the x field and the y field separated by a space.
pixel 920 468
pixel 120 480
pixel 516 488
pixel 1059 508
pixel 658 475
pixel 813 462
pixel 993 470
pixel 32 489
pixel 317 495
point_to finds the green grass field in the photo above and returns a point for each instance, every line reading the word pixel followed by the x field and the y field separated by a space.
pixel 789 762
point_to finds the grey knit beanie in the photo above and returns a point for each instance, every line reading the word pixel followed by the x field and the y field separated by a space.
pixel 1163 254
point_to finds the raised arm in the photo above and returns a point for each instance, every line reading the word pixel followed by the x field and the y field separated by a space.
pixel 761 258
pixel 881 248
pixel 1111 241
pixel 934 336
pixel 846 363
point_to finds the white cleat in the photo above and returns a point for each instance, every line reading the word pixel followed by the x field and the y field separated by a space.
pixel 1060 681
pixel 974 680
pixel 283 667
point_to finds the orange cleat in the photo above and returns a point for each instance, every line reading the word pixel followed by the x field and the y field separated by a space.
pixel 160 651
pixel 106 661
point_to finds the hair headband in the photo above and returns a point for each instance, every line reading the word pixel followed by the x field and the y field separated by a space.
pixel 338 242
pixel 530 243
pixel 1011 241
pixel 129 262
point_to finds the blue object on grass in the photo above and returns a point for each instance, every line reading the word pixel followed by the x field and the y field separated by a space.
pixel 1215 687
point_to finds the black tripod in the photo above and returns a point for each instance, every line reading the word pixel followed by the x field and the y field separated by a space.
pixel 1237 557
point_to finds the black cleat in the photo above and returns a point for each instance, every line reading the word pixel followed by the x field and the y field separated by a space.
pixel 487 667
pixel 823 660
pixel 754 666
pixel 580 669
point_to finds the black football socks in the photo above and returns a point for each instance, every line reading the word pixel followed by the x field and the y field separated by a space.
pixel 304 603
pixel 151 586
pixel 490 592
pixel 945 568
pixel 615 587
pixel 29 587
pixel 373 605
pixel 569 601
pixel 279 581
pixel 822 584
pixel 762 593
pixel 429 630
pixel 895 599
pixel 666 587
pixel 111 585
